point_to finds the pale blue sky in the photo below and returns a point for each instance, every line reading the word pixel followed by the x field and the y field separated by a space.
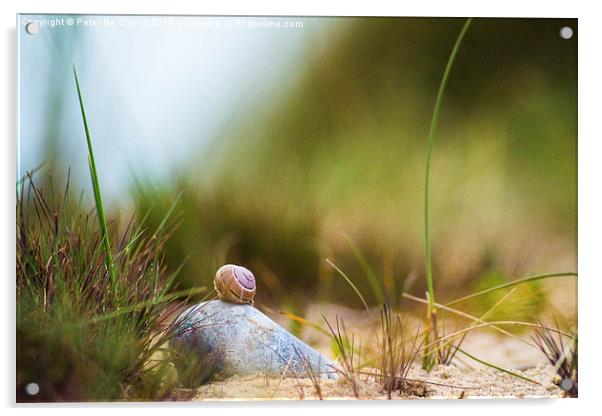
pixel 156 89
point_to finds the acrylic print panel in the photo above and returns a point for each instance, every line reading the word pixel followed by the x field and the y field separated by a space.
pixel 300 208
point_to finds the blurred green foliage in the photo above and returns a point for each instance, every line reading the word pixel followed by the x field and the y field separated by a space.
pixel 341 152
pixel 525 303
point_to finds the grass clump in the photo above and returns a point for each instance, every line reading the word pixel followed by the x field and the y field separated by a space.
pixel 78 336
pixel 397 352
pixel 562 355
pixel 346 353
pixel 91 323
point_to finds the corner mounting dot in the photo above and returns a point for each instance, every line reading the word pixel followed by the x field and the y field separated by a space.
pixel 566 384
pixel 566 32
pixel 32 28
pixel 32 389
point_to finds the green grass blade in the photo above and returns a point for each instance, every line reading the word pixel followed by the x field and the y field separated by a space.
pixel 359 294
pixel 429 153
pixel 299 319
pixel 496 305
pixel 372 278
pixel 96 187
pixel 156 301
pixel 510 284
pixel 503 370
pixel 169 213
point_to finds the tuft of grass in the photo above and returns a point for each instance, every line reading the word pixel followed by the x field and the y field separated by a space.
pixel 78 338
pixel 346 351
pixel 397 353
pixel 564 357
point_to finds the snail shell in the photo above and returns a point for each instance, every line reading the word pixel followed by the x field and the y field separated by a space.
pixel 235 284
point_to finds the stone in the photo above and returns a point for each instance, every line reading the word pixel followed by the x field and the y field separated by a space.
pixel 217 339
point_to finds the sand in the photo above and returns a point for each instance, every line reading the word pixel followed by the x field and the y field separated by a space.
pixel 447 382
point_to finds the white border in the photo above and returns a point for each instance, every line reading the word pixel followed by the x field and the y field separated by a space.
pixel 590 207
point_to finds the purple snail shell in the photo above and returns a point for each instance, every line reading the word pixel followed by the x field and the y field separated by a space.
pixel 235 284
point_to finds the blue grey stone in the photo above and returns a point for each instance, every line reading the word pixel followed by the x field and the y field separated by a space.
pixel 217 339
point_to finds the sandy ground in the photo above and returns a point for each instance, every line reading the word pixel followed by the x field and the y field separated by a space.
pixel 443 382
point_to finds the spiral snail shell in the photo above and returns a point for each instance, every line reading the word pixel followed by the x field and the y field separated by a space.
pixel 235 284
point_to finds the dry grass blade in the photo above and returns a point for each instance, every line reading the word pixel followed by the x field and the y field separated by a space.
pixel 373 280
pixel 492 325
pixel 447 349
pixel 282 377
pixel 348 280
pixel 296 318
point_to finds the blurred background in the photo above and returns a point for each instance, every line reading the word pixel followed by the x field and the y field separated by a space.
pixel 290 141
